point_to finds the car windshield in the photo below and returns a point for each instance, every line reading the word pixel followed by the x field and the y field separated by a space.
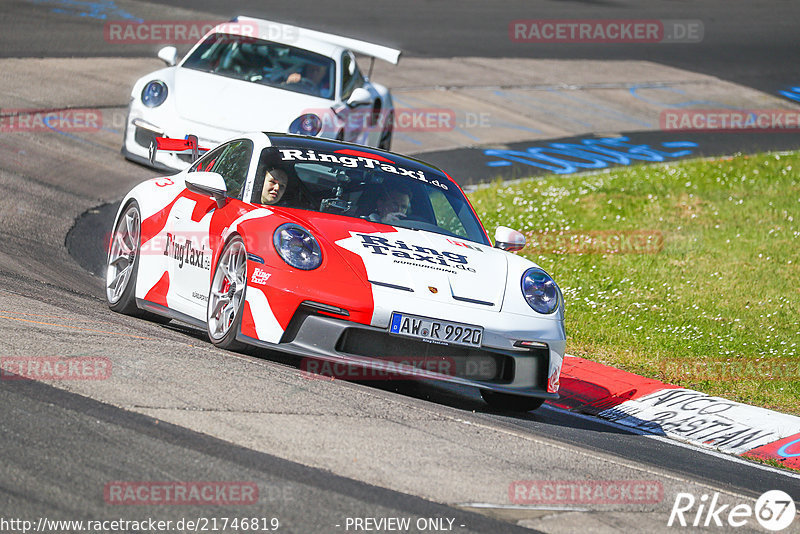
pixel 360 184
pixel 265 62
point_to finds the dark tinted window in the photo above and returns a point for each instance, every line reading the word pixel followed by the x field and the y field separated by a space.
pixel 232 161
pixel 359 184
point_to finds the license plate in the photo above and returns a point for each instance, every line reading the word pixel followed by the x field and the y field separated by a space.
pixel 435 330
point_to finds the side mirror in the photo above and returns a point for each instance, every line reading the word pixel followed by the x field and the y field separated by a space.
pixel 507 239
pixel 169 55
pixel 207 183
pixel 359 97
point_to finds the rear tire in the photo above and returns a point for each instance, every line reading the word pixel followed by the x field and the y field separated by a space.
pixel 226 296
pixel 122 264
pixel 510 403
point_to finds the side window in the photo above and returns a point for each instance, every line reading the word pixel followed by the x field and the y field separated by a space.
pixel 232 161
pixel 207 161
pixel 351 76
pixel 446 216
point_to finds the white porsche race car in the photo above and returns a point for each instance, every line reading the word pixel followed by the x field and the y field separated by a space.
pixel 343 254
pixel 256 75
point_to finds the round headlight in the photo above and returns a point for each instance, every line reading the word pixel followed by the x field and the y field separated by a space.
pixel 154 93
pixel 297 246
pixel 308 124
pixel 540 291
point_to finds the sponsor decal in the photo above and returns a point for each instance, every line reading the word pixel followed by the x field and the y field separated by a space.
pixel 180 493
pixel 774 510
pixel 415 254
pixel 553 381
pixel 260 276
pixel 54 368
pixel 187 254
pixel 366 161
pixel 586 492
pixel 199 296
pixel 465 245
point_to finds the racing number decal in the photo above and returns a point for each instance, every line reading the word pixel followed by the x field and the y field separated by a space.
pixel 164 182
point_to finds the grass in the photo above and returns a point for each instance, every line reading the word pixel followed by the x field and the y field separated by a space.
pixel 715 303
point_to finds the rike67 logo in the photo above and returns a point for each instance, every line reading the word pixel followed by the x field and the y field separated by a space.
pixel 774 510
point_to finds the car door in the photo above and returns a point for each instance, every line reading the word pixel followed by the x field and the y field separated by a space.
pixel 357 119
pixel 193 230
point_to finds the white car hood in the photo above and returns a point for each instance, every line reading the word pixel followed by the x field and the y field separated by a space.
pixel 239 105
pixel 434 266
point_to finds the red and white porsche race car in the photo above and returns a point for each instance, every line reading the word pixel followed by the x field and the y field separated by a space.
pixel 340 253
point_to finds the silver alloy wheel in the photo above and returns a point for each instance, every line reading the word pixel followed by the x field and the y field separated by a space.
pixel 122 254
pixel 227 290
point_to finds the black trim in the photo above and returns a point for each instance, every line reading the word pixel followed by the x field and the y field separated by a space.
pixel 473 301
pixel 169 312
pixel 393 286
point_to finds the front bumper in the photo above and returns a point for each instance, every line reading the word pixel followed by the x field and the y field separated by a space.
pixel 524 372
pixel 140 134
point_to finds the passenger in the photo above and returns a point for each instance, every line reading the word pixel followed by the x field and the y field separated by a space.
pixel 391 206
pixel 275 182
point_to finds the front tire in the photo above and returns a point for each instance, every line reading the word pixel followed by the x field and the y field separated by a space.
pixel 507 402
pixel 226 297
pixel 385 142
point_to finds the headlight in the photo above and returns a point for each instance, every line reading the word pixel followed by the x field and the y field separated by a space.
pixel 297 246
pixel 540 291
pixel 308 124
pixel 154 93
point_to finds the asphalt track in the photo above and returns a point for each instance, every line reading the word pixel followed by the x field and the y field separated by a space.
pixel 319 451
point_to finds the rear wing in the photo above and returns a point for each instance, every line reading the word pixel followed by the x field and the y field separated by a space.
pixel 182 146
pixel 268 28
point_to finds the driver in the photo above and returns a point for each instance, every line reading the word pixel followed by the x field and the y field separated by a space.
pixel 275 181
pixel 316 75
pixel 391 206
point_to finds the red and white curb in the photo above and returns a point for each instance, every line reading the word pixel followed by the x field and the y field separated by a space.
pixel 655 407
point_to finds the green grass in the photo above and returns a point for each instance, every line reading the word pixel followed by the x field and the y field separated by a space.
pixel 716 309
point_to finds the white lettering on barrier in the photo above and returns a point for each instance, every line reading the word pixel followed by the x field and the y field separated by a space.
pixel 704 420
